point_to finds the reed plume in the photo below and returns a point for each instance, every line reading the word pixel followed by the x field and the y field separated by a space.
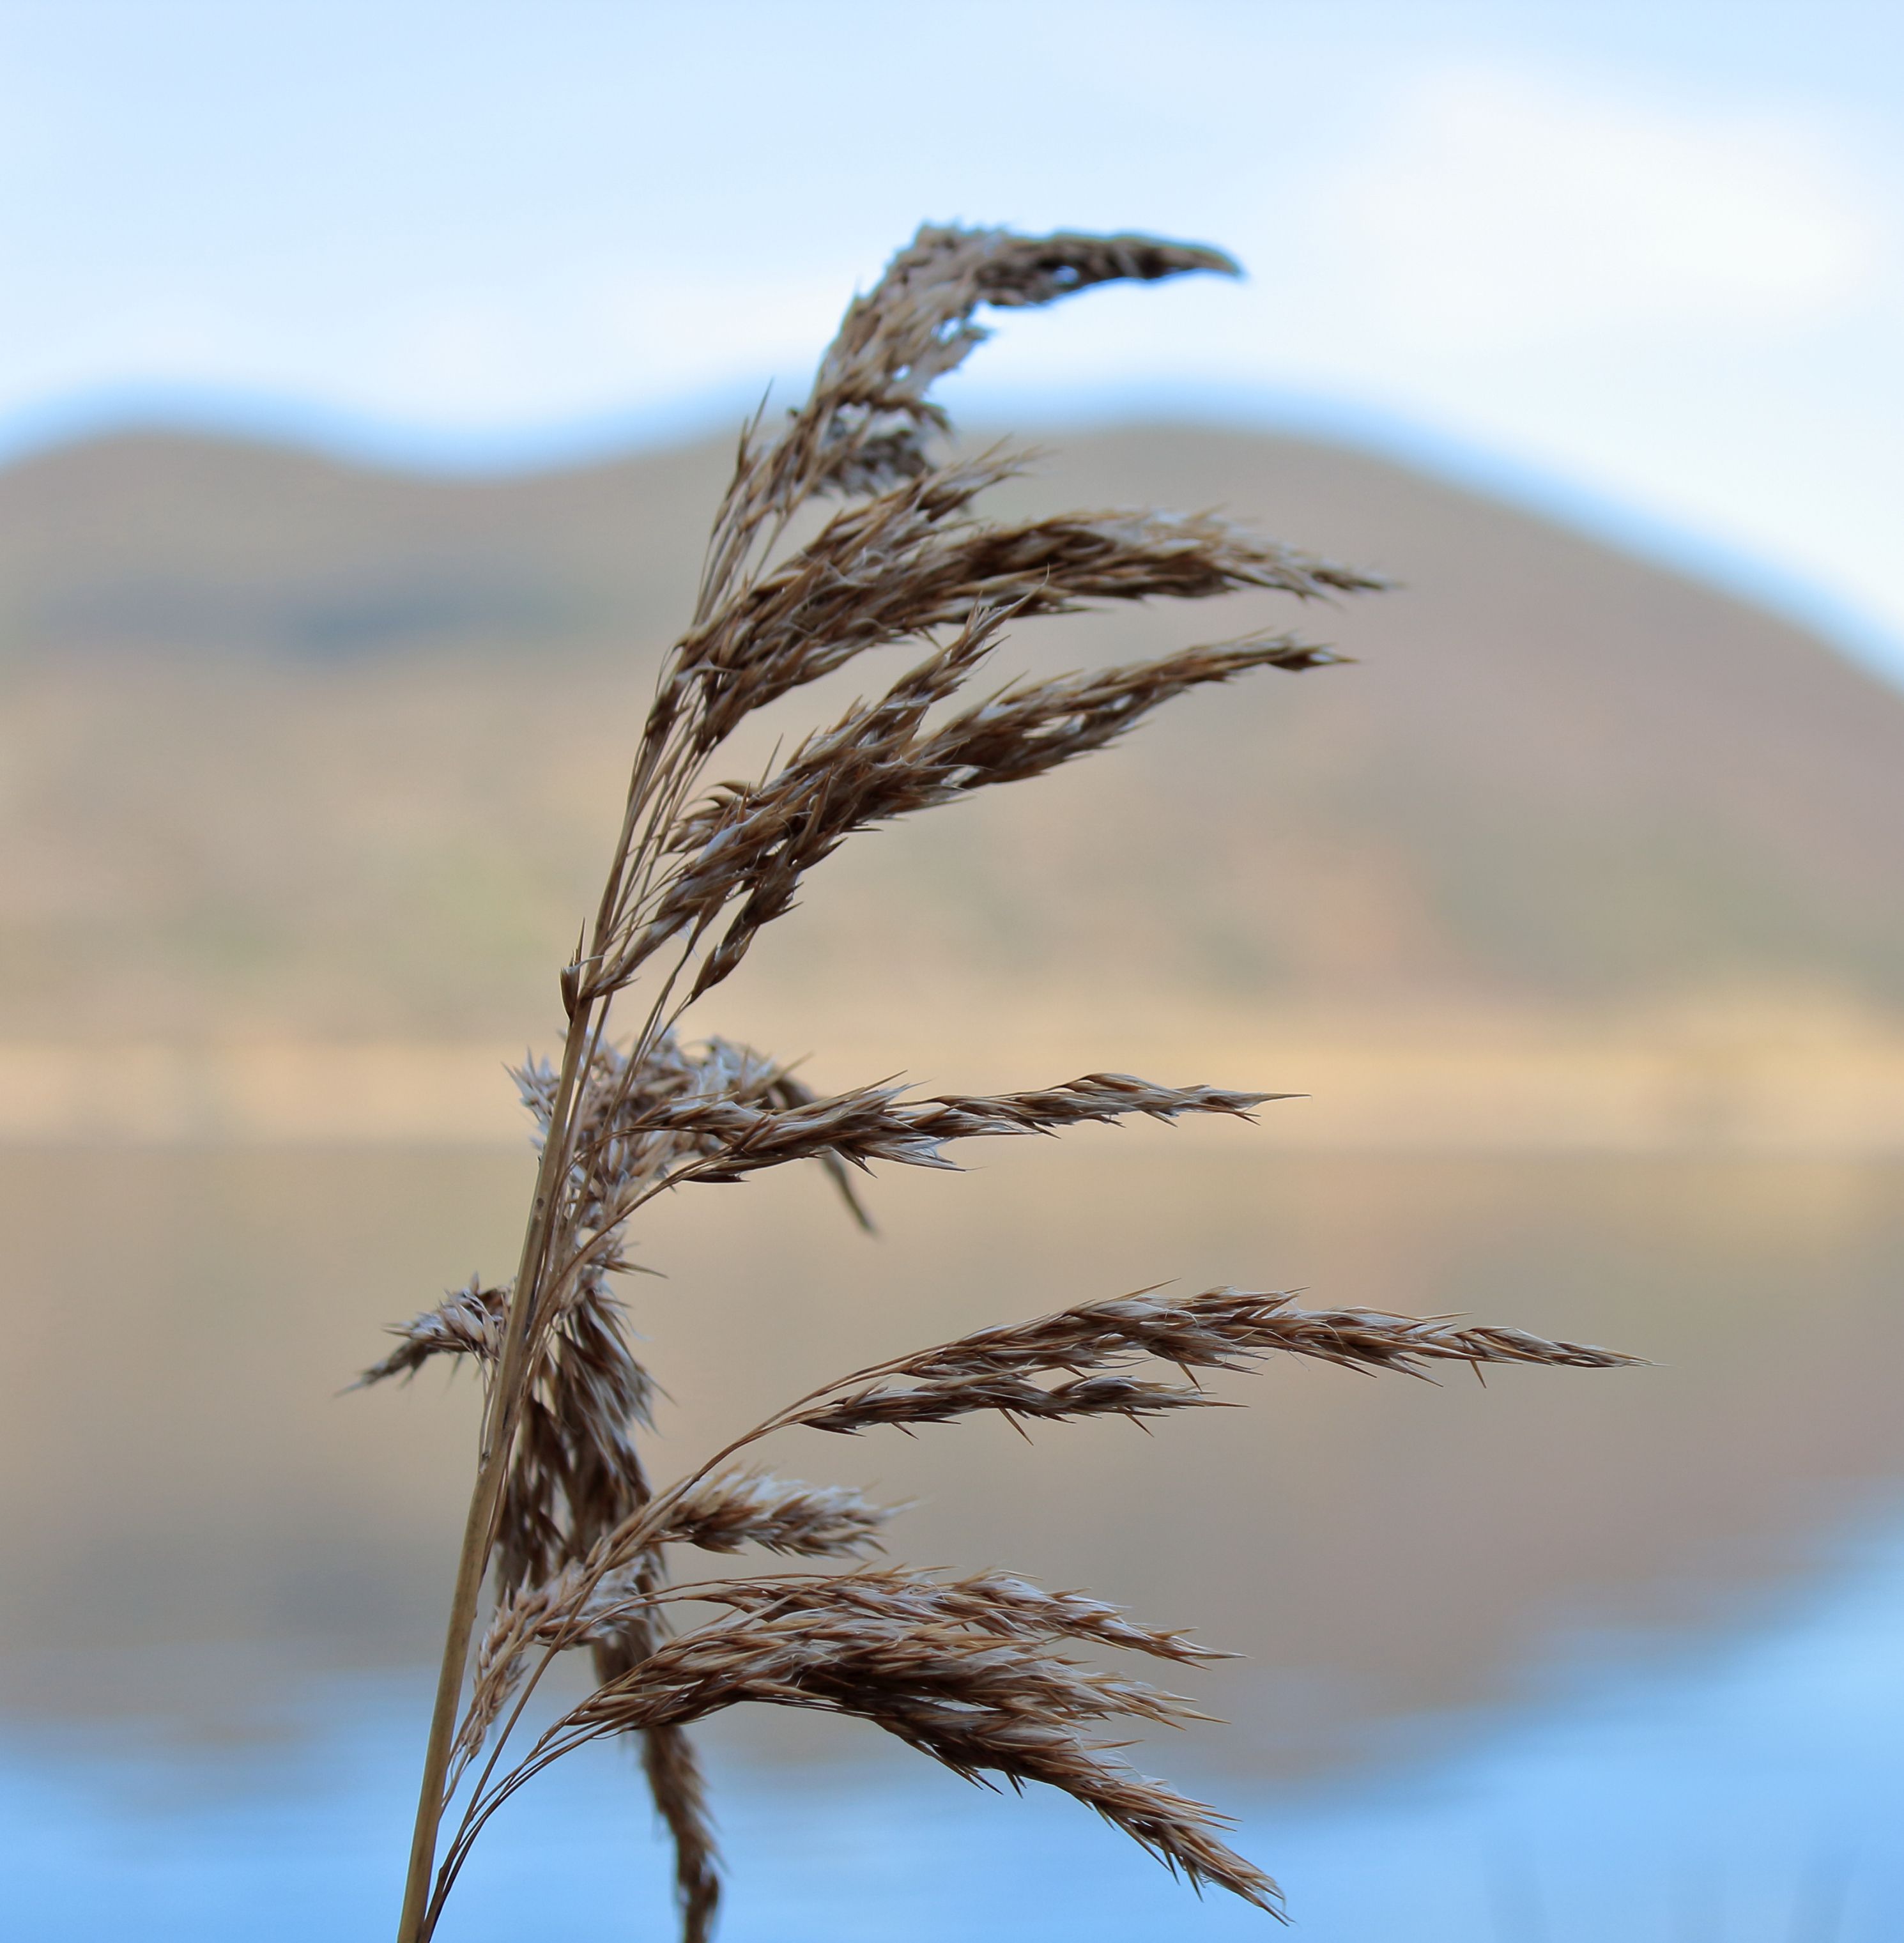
pixel 565 1532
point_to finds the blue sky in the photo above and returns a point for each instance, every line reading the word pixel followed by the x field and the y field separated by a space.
pixel 1643 262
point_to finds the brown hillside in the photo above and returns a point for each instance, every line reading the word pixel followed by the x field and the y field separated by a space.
pixel 290 747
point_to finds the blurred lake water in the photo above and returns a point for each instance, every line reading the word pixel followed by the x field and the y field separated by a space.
pixel 1572 1654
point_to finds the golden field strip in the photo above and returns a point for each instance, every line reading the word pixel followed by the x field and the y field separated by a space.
pixel 1767 1085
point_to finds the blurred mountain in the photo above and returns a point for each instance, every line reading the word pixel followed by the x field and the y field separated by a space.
pixel 290 747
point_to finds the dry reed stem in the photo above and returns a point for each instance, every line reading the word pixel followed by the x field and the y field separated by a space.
pixel 562 1525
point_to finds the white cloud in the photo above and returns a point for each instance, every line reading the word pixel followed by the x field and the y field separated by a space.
pixel 631 336
pixel 1502 206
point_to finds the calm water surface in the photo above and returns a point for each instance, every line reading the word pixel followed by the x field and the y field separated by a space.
pixel 1573 1654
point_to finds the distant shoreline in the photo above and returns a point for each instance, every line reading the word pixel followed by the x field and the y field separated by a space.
pixel 1800 1087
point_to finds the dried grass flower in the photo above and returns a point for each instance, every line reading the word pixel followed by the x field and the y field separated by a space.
pixel 567 1536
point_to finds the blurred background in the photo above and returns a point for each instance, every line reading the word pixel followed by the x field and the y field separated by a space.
pixel 367 377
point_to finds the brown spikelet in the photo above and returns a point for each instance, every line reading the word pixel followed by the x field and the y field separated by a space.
pixel 753 844
pixel 1175 1829
pixel 668 1763
pixel 574 1606
pixel 577 1473
pixel 874 1123
pixel 467 1322
pixel 910 562
pixel 863 426
pixel 962 1672
pixel 1035 726
pixel 680 1800
pixel 1009 1396
pixel 743 1508
pixel 995 1602
pixel 1222 1327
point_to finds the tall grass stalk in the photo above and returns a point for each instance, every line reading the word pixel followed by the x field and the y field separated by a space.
pixel 565 1533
